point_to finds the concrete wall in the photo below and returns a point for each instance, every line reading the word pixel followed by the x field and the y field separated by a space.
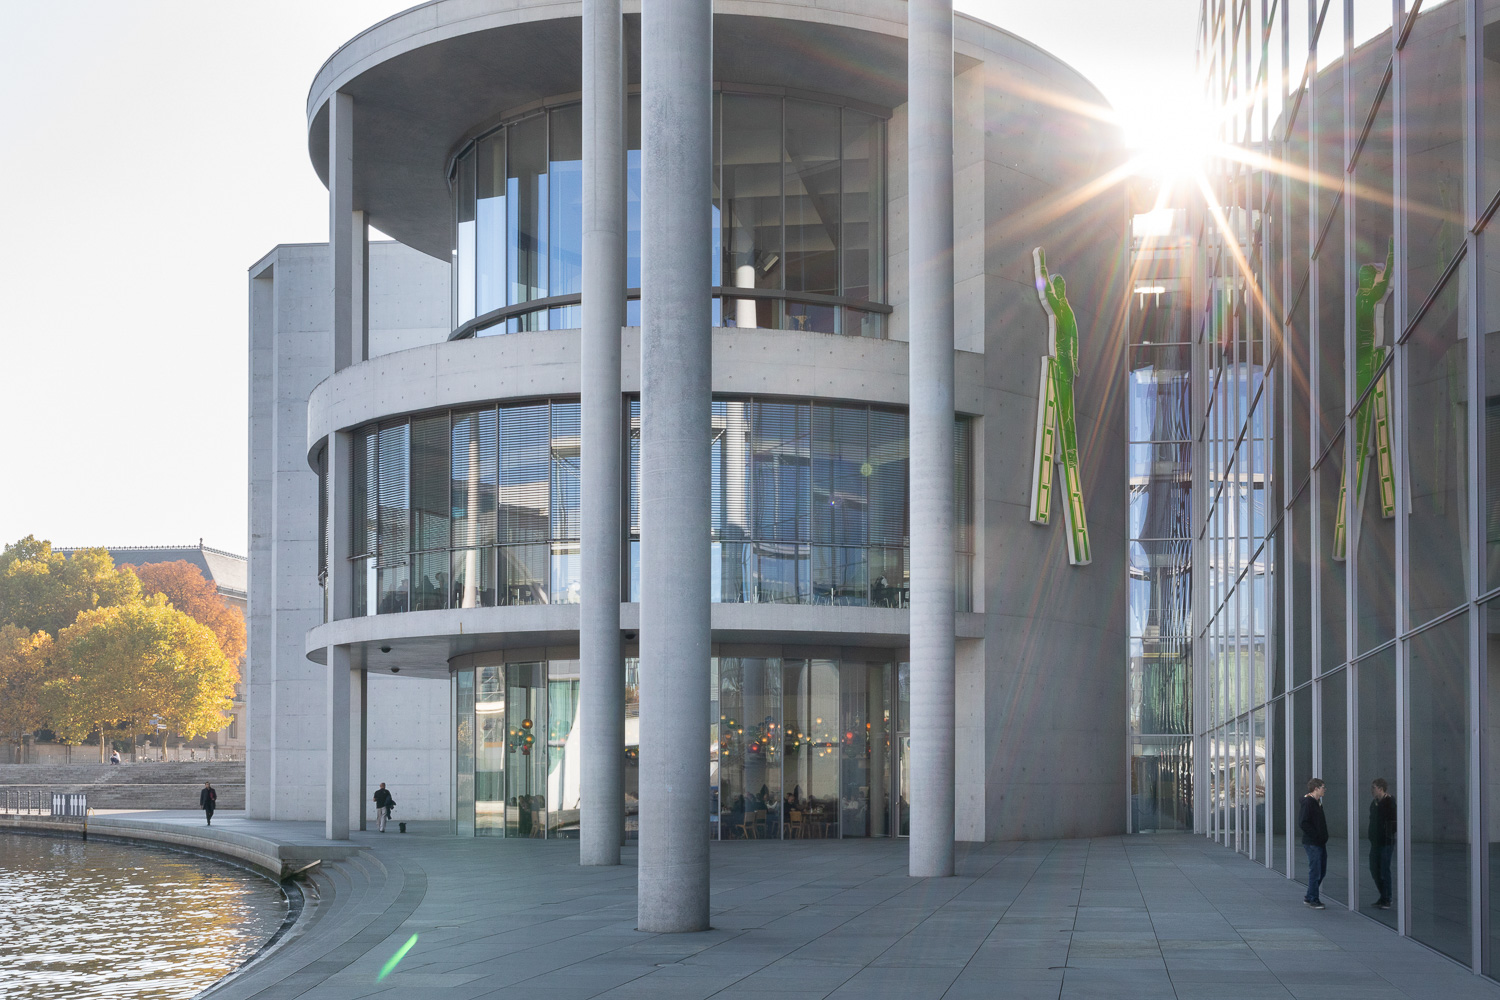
pixel 410 300
pixel 1055 636
pixel 290 353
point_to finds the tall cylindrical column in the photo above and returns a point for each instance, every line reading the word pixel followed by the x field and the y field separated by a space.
pixel 602 668
pixel 676 122
pixel 930 198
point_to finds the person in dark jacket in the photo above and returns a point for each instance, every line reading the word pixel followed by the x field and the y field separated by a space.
pixel 384 803
pixel 206 800
pixel 1382 836
pixel 1314 826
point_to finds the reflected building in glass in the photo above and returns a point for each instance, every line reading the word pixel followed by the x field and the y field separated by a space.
pixel 1345 532
pixel 418 487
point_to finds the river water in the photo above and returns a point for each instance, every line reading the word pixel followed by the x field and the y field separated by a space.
pixel 129 923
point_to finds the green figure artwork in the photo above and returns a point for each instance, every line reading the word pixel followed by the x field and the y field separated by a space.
pixel 1054 419
pixel 1374 415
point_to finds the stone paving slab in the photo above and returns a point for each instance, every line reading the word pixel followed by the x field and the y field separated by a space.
pixel 1166 916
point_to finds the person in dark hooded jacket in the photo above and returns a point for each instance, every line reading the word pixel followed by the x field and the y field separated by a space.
pixel 206 799
pixel 1314 827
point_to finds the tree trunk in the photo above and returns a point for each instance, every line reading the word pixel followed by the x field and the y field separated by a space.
pixel 102 758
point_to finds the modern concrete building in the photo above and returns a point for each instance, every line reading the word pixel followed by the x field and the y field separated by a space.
pixel 453 434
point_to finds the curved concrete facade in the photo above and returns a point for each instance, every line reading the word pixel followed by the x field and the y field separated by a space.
pixel 1040 724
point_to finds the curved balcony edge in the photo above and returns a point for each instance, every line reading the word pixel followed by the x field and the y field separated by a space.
pixel 421 643
pixel 538 365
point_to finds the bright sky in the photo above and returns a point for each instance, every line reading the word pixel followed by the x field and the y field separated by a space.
pixel 154 149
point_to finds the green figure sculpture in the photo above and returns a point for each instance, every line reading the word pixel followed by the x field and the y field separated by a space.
pixel 1369 353
pixel 1055 415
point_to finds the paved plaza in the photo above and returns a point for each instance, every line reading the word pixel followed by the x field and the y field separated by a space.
pixel 1143 917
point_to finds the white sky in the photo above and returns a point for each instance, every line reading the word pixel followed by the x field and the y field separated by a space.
pixel 150 151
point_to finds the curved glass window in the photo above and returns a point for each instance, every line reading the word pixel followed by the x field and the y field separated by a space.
pixel 798 220
pixel 480 507
pixel 801 749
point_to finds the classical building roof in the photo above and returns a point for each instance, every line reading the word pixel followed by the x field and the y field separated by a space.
pixel 227 571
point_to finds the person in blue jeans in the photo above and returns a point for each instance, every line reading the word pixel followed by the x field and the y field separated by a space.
pixel 1314 826
pixel 1382 836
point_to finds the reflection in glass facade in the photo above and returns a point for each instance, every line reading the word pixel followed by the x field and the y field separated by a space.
pixel 1343 626
pixel 1159 590
pixel 798 217
pixel 479 507
pixel 803 748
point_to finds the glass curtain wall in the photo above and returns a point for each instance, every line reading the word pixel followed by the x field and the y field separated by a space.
pixel 798 217
pixel 480 507
pixel 1347 524
pixel 1160 522
pixel 804 748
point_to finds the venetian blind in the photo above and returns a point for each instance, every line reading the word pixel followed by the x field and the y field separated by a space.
pixel 431 478
pixel 393 494
pixel 525 472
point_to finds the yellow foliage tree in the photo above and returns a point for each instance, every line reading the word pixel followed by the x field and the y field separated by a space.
pixel 134 666
pixel 43 591
pixel 185 587
pixel 24 661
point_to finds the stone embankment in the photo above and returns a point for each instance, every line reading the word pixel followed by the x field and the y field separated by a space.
pixel 170 785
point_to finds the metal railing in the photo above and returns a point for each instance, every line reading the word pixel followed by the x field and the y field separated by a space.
pixel 39 802
pixel 74 804
pixel 495 317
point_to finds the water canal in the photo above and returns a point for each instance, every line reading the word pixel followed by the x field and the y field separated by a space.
pixel 90 919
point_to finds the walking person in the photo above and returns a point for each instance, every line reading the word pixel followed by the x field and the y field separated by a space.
pixel 384 803
pixel 1381 833
pixel 206 799
pixel 1314 826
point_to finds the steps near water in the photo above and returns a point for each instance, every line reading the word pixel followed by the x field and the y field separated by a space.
pixel 171 785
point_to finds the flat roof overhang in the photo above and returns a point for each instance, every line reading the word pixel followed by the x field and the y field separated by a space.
pixel 425 81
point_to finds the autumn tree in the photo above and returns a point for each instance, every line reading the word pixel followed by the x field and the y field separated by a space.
pixel 185 588
pixel 24 662
pixel 44 591
pixel 129 667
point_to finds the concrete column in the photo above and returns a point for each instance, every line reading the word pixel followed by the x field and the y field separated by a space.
pixel 336 802
pixel 601 662
pixel 930 193
pixel 348 241
pixel 676 120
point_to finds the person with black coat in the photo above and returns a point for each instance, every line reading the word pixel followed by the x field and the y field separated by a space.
pixel 384 803
pixel 206 799
pixel 1314 826
pixel 1381 833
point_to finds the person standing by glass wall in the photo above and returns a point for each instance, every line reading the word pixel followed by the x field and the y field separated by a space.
pixel 1314 827
pixel 1382 837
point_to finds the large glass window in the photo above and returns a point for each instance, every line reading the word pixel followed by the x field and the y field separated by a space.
pixel 1438 706
pixel 798 216
pixel 802 748
pixel 481 507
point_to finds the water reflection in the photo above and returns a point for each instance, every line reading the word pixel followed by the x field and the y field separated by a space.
pixel 96 919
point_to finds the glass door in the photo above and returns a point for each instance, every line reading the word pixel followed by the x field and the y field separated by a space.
pixel 810 714
pixel 489 751
pixel 526 750
pixel 864 732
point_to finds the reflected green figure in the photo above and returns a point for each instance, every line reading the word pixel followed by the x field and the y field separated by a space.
pixel 1369 353
pixel 1055 415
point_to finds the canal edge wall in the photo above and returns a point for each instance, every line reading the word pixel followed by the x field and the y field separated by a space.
pixel 277 859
